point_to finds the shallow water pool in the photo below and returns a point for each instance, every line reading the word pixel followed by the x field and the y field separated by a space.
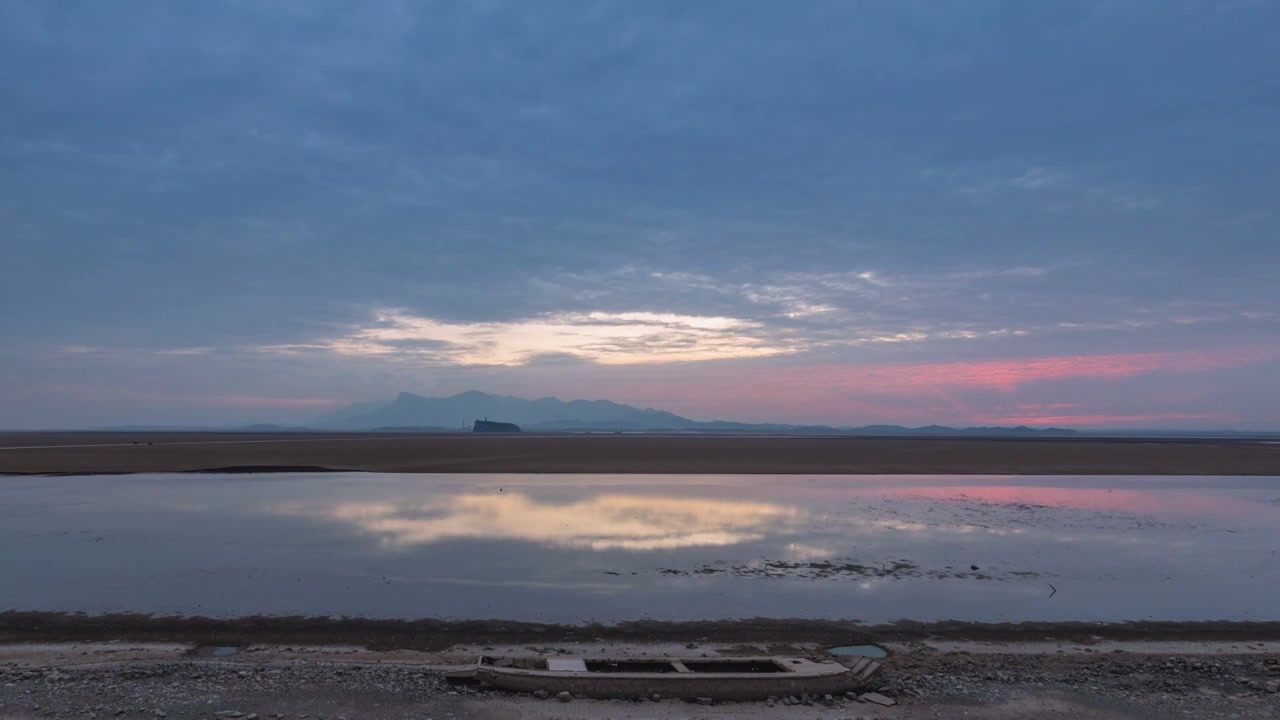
pixel 575 548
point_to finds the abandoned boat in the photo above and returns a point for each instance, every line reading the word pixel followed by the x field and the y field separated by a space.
pixel 747 678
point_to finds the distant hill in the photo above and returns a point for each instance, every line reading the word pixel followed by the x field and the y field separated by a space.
pixel 546 414
pixel 336 418
pixel 461 410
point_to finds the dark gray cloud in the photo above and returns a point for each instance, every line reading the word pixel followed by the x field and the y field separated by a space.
pixel 852 181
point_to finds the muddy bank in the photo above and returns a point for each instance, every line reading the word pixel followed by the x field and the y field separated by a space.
pixel 284 452
pixel 917 681
pixel 429 634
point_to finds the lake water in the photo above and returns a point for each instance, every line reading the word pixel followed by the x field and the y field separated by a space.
pixel 576 548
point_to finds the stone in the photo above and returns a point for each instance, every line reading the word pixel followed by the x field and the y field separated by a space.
pixel 542 694
pixel 878 699
pixel 1273 687
pixel 828 701
pixel 655 697
pixel 705 701
pixel 771 702
pixel 564 696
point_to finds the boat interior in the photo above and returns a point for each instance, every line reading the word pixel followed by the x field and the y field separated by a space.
pixel 632 665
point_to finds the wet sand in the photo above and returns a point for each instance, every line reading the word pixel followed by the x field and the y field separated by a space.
pixel 87 453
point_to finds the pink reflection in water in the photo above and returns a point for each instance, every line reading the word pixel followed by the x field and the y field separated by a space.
pixel 1173 502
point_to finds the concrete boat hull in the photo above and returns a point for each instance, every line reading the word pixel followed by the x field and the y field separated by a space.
pixel 694 678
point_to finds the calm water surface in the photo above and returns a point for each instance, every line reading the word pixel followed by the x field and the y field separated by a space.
pixel 575 548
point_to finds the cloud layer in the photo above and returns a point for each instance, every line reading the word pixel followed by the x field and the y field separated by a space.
pixel 316 203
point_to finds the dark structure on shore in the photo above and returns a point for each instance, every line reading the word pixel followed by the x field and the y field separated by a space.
pixel 488 425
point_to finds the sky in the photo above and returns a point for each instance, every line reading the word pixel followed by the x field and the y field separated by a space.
pixel 1051 213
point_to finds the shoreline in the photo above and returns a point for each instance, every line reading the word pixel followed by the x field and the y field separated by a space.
pixel 24 454
pixel 918 680
pixel 439 634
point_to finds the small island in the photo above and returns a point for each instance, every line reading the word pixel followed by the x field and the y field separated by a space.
pixel 488 425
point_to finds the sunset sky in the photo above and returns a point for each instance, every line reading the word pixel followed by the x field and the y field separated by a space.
pixel 971 213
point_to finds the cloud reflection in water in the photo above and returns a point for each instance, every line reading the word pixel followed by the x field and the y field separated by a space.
pixel 605 522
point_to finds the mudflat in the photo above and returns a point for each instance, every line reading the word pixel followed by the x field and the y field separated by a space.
pixel 1094 680
pixel 100 452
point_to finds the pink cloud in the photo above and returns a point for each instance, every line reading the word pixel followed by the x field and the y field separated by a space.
pixel 1040 408
pixel 1140 502
pixel 1008 375
pixel 918 393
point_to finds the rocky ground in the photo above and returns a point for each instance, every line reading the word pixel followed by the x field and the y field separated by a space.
pixel 195 689
pixel 1132 683
pixel 109 681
